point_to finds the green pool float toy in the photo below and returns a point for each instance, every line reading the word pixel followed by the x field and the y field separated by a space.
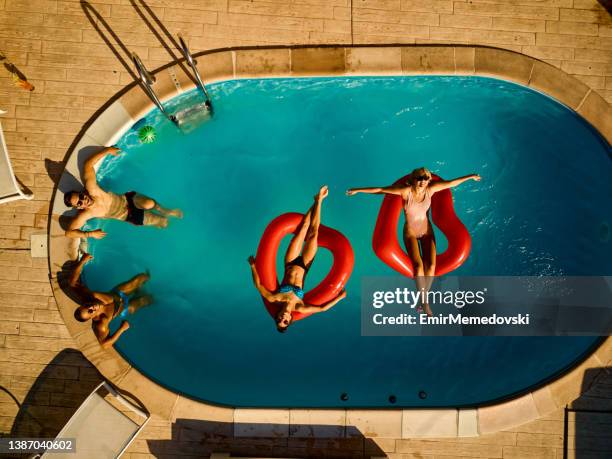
pixel 147 134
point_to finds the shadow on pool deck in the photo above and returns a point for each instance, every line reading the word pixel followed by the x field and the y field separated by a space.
pixel 121 52
pixel 54 396
pixel 588 420
pixel 65 179
pixel 110 38
pixel 171 44
pixel 607 4
pixel 195 437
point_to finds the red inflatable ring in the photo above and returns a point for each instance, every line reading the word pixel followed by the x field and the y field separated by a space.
pixel 386 244
pixel 334 282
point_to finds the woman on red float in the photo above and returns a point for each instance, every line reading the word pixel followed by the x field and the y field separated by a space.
pixel 298 259
pixel 416 194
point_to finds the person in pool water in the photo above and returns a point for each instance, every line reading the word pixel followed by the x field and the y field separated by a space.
pixel 419 237
pixel 95 202
pixel 289 297
pixel 102 307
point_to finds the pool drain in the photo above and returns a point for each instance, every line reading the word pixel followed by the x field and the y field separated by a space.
pixel 422 395
pixel 344 396
pixel 392 399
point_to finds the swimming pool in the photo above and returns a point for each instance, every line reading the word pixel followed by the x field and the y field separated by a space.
pixel 269 146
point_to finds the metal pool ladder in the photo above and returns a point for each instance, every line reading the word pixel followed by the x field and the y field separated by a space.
pixel 192 63
pixel 147 80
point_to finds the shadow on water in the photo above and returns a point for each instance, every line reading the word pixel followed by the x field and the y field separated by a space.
pixel 195 437
pixel 587 432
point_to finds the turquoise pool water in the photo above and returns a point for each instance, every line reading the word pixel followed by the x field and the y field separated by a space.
pixel 542 208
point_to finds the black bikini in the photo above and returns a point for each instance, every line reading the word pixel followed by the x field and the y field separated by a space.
pixel 299 261
pixel 285 288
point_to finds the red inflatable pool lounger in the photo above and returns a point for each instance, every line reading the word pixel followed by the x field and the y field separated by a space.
pixel 387 246
pixel 330 286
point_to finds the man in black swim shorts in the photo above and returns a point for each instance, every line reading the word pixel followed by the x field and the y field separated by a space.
pixel 95 202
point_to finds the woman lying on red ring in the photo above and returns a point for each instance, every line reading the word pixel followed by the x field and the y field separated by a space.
pixel 416 194
pixel 298 259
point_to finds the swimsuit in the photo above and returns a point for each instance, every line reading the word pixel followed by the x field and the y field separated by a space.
pixel 122 207
pixel 286 288
pixel 135 215
pixel 123 301
pixel 299 261
pixel 298 291
pixel 416 214
pixel 117 208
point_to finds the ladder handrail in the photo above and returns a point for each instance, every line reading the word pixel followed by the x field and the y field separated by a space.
pixel 147 80
pixel 143 73
pixel 189 58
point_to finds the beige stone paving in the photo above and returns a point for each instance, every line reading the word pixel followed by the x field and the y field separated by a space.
pixel 56 46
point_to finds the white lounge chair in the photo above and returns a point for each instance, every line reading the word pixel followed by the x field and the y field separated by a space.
pixel 9 188
pixel 100 429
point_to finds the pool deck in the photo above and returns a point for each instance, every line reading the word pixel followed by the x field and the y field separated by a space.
pixel 56 46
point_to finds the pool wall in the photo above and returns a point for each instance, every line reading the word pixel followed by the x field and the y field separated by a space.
pixel 130 104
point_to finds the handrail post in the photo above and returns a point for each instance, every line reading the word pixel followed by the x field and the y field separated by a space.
pixel 147 80
pixel 187 55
